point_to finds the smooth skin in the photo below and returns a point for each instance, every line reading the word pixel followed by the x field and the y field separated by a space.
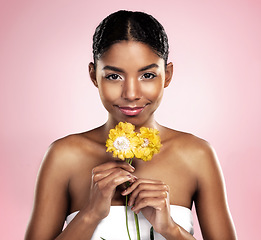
pixel 78 174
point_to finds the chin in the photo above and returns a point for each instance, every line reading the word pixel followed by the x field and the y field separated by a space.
pixel 137 121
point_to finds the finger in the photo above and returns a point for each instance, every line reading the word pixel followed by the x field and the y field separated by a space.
pixel 117 171
pixel 114 179
pixel 156 203
pixel 148 194
pixel 138 183
pixel 107 188
pixel 144 188
pixel 107 185
pixel 112 172
pixel 113 164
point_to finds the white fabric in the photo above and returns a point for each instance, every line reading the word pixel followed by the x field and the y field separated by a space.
pixel 113 227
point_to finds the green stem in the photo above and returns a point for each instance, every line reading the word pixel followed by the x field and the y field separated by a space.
pixel 137 226
pixel 126 205
pixel 126 213
pixel 129 160
pixel 151 234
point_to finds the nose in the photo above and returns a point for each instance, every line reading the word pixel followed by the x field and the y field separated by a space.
pixel 131 89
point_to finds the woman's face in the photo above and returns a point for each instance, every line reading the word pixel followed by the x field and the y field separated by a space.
pixel 131 78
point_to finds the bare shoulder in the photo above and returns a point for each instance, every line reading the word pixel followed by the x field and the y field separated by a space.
pixel 72 152
pixel 70 145
pixel 187 143
pixel 66 158
pixel 202 164
pixel 193 151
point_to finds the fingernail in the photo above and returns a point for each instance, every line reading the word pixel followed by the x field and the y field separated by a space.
pixel 130 176
pixel 124 192
pixel 133 168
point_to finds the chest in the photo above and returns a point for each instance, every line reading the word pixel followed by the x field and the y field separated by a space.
pixel 172 171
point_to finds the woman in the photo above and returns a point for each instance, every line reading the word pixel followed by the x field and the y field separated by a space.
pixel 78 178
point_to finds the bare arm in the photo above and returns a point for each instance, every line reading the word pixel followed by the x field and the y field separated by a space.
pixel 151 197
pixel 52 199
pixel 52 196
pixel 211 203
pixel 50 205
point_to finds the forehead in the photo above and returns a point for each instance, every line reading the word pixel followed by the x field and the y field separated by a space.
pixel 128 54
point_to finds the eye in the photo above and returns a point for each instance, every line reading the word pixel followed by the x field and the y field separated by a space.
pixel 148 76
pixel 113 77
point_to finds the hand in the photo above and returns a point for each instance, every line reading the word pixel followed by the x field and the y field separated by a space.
pixel 105 178
pixel 151 197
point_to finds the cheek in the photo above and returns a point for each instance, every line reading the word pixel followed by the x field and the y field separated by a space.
pixel 109 92
pixel 153 92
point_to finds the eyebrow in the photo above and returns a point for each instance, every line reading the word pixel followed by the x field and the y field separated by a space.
pixel 116 69
pixel 113 69
pixel 153 65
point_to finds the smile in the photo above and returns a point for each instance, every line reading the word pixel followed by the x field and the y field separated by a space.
pixel 129 111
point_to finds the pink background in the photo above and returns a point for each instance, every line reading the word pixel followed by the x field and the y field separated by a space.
pixel 45 47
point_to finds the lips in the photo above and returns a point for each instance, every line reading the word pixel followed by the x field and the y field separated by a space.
pixel 131 111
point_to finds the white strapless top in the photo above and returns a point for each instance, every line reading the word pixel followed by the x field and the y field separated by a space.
pixel 113 227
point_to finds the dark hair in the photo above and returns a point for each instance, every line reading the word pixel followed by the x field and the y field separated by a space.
pixel 128 25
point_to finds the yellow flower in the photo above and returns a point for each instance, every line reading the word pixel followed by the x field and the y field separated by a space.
pixel 126 144
pixel 122 141
pixel 150 143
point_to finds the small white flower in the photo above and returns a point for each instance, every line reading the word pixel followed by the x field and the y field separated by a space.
pixel 121 143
